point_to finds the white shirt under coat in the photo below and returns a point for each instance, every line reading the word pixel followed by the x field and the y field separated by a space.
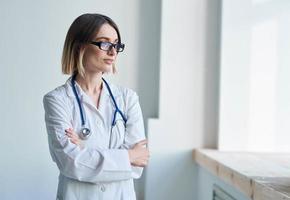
pixel 94 171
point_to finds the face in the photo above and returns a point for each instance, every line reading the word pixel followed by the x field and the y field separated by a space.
pixel 96 60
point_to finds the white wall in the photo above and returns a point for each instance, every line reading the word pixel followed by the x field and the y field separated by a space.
pixel 32 35
pixel 188 98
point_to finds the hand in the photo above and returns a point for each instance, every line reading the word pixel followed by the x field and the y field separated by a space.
pixel 139 154
pixel 73 136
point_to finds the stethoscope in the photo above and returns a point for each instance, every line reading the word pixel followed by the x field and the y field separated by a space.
pixel 85 131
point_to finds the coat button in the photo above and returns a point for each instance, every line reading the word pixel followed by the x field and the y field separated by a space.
pixel 103 188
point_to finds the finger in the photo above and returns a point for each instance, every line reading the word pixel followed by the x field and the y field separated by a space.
pixel 141 164
pixel 75 137
pixel 72 134
pixel 69 134
pixel 145 158
pixel 72 138
pixel 68 131
pixel 142 159
pixel 144 152
pixel 74 141
pixel 144 163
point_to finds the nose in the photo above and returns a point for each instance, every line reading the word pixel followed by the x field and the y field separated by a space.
pixel 112 51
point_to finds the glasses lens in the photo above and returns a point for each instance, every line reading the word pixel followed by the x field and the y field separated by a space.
pixel 120 47
pixel 106 46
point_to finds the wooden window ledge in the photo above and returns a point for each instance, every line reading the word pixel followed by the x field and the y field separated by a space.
pixel 260 176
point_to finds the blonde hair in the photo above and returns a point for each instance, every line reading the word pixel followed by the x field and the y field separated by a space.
pixel 81 32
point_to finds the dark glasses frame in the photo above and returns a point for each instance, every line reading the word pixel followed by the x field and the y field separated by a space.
pixel 107 46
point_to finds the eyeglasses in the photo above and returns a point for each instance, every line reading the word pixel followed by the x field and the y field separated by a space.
pixel 107 46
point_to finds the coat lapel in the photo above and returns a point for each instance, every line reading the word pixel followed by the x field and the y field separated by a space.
pixel 106 105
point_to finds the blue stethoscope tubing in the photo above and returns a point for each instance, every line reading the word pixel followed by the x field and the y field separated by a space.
pixel 86 132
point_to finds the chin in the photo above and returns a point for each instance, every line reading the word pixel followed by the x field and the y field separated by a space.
pixel 108 69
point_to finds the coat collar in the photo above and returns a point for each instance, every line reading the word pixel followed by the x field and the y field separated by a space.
pixel 104 99
pixel 68 87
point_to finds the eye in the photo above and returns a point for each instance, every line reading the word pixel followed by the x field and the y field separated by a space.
pixel 106 45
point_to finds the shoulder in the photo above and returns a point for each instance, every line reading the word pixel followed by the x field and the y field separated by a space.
pixel 56 96
pixel 127 97
pixel 124 92
pixel 56 93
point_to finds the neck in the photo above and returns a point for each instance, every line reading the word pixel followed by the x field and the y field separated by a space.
pixel 91 83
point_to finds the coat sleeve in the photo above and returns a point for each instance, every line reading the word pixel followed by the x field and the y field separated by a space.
pixel 134 127
pixel 86 164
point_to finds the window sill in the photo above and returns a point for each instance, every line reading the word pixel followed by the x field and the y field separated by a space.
pixel 260 176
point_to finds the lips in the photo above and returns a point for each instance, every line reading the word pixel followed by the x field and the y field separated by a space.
pixel 109 61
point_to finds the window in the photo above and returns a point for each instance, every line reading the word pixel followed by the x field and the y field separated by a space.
pixel 255 76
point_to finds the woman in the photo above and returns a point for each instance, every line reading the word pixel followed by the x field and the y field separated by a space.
pixel 95 129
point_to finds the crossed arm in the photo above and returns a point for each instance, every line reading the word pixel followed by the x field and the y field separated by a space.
pixel 138 154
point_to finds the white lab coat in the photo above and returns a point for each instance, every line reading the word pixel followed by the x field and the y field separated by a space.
pixel 94 171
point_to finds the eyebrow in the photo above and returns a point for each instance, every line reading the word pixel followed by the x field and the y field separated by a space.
pixel 106 38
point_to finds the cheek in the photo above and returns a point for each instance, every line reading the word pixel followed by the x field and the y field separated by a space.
pixel 92 57
pixel 97 60
pixel 98 56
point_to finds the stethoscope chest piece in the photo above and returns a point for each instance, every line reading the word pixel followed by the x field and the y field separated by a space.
pixel 85 133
